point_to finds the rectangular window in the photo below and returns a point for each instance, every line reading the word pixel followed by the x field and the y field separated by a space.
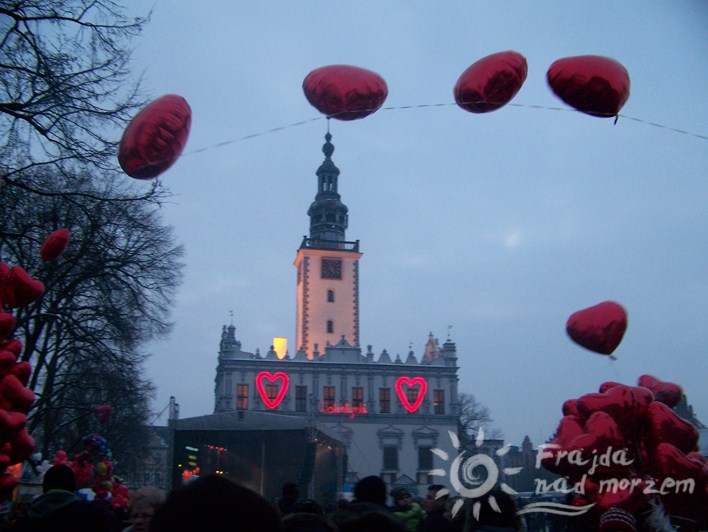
pixel 330 326
pixel 385 400
pixel 271 391
pixel 439 401
pixel 301 398
pixel 412 395
pixel 242 397
pixel 390 458
pixel 328 396
pixel 357 396
pixel 425 459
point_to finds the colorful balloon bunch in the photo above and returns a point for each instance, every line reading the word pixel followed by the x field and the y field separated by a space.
pixel 93 468
pixel 625 447
pixel 96 458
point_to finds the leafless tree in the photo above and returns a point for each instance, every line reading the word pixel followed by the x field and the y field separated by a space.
pixel 109 293
pixel 473 416
pixel 65 93
pixel 65 97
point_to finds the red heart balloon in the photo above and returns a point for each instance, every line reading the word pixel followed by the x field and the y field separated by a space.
pixel 14 346
pixel 664 425
pixel 620 402
pixel 599 328
pixel 345 92
pixel 555 460
pixel 272 400
pixel 596 85
pixel 155 138
pixel 54 245
pixel 569 427
pixel 666 392
pixel 570 408
pixel 22 446
pixel 410 383
pixel 644 397
pixel 14 396
pixel 677 477
pixel 622 492
pixel 7 360
pixel 491 82
pixel 601 425
pixel 11 423
pixel 607 385
pixel 21 370
pixel 22 289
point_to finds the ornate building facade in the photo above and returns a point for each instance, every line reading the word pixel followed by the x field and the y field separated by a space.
pixel 390 414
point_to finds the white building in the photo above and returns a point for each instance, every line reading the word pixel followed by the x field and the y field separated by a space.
pixel 388 413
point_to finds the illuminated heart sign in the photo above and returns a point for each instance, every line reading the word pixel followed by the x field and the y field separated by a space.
pixel 410 383
pixel 272 403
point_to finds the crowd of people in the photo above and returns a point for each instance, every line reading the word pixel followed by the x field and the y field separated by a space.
pixel 214 503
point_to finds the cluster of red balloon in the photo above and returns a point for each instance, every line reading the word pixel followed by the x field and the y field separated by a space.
pixel 625 447
pixel 592 84
pixel 18 289
pixel 595 85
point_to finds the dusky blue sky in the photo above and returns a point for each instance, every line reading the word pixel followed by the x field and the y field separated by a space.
pixel 500 225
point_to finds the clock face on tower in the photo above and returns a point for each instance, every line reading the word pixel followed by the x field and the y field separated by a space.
pixel 331 269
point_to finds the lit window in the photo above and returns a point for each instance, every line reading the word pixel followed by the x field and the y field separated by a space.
pixel 328 396
pixel 357 396
pixel 439 401
pixel 385 400
pixel 271 391
pixel 242 396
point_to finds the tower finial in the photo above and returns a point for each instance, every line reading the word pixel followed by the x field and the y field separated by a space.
pixel 328 147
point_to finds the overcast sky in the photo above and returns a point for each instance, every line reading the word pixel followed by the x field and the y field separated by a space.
pixel 499 225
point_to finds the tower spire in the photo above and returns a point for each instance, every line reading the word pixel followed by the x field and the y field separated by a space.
pixel 328 215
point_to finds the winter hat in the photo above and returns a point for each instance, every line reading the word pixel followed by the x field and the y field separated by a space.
pixel 616 519
pixel 400 493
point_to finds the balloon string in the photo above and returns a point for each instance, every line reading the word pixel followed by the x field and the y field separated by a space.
pixel 427 105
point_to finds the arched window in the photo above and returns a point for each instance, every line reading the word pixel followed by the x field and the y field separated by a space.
pixel 330 326
pixel 330 296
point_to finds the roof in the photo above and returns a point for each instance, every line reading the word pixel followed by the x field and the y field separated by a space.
pixel 242 420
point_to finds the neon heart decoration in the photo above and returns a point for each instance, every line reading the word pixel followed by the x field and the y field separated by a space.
pixel 272 403
pixel 410 383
